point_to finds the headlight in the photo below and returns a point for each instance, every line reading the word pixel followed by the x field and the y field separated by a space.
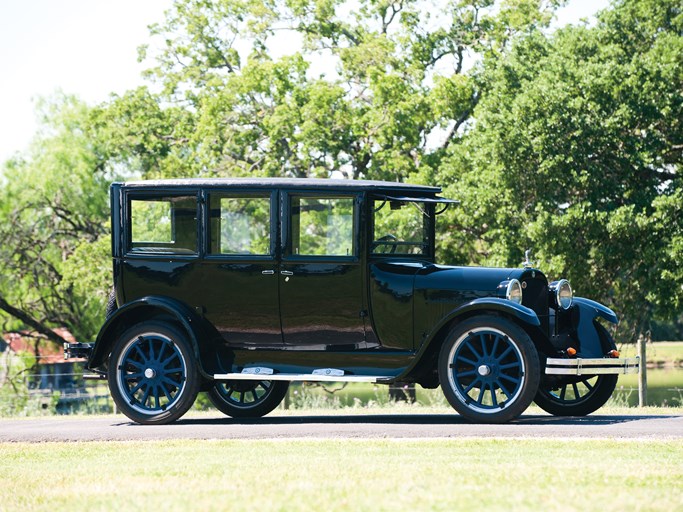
pixel 562 293
pixel 513 291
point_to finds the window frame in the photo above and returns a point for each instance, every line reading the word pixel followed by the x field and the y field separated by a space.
pixel 151 194
pixel 430 227
pixel 270 195
pixel 287 235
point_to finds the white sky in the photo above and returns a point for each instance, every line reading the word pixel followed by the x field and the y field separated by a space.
pixel 89 48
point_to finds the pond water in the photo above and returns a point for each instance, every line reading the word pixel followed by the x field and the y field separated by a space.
pixel 664 388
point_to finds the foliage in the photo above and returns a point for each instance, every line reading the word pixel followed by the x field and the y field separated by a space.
pixel 577 153
pixel 54 208
pixel 244 91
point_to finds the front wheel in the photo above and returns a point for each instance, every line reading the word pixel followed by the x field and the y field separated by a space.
pixel 577 396
pixel 247 398
pixel 489 369
pixel 153 376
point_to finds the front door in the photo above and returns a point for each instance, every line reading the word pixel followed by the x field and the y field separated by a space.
pixel 320 274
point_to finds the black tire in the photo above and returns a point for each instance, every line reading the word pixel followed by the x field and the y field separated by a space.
pixel 247 398
pixel 153 376
pixel 578 395
pixel 489 369
pixel 111 303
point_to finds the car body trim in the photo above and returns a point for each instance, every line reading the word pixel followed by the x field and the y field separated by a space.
pixel 304 377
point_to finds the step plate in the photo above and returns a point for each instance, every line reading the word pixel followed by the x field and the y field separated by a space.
pixel 303 377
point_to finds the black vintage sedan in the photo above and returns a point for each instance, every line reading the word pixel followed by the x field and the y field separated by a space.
pixel 238 287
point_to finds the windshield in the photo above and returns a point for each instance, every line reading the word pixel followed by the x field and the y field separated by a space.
pixel 401 227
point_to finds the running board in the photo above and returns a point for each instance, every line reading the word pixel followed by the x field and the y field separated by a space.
pixel 324 375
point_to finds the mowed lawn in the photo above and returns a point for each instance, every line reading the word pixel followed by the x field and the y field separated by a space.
pixel 322 475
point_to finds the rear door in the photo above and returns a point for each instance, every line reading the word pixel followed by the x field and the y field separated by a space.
pixel 239 279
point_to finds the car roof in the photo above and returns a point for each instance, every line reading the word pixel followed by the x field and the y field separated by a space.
pixel 287 183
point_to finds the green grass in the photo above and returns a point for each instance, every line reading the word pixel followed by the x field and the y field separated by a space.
pixel 343 475
pixel 669 353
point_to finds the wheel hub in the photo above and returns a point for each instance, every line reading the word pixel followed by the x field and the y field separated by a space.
pixel 150 373
pixel 484 370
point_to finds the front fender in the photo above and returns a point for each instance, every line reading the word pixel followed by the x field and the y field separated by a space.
pixel 522 313
pixel 584 313
pixel 144 309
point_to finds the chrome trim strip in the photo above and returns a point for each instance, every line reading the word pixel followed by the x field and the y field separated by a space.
pixel 592 366
pixel 302 377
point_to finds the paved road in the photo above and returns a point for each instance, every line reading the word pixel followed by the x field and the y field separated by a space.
pixel 118 428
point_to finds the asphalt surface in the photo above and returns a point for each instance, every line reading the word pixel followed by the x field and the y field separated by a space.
pixel 377 426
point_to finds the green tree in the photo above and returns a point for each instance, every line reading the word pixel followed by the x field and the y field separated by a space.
pixel 233 103
pixel 576 153
pixel 52 223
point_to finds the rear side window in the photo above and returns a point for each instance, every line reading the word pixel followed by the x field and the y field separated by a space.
pixel 166 225
pixel 240 225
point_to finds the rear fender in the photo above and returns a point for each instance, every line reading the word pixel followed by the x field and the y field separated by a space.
pixel 198 331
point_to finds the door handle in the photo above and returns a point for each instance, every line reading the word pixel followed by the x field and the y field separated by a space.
pixel 268 272
pixel 286 273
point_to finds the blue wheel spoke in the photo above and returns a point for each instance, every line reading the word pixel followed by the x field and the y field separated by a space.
pixel 511 379
pixel 504 390
pixel 563 392
pixel 173 370
pixel 495 346
pixel 476 354
pixel 141 353
pixel 134 363
pixel 482 337
pixel 161 351
pixel 577 395
pixel 482 390
pixel 145 396
pixel 472 384
pixel 169 359
pixel 509 365
pixel 131 376
pixel 467 373
pixel 505 352
pixel 136 388
pixel 156 397
pixel 167 393
pixel 588 385
pixel 493 396
pixel 173 383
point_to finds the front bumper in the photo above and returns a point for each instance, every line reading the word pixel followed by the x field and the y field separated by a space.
pixel 592 366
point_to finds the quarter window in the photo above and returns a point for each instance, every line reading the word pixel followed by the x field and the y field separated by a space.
pixel 240 225
pixel 166 225
pixel 322 226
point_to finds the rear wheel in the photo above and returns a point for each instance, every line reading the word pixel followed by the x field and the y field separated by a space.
pixel 153 376
pixel 247 398
pixel 489 369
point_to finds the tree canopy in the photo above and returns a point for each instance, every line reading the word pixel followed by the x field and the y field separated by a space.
pixel 576 152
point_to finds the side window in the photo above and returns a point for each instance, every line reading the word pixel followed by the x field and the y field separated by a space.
pixel 400 227
pixel 322 226
pixel 166 225
pixel 240 225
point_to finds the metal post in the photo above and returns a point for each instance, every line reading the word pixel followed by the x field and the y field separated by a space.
pixel 642 373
